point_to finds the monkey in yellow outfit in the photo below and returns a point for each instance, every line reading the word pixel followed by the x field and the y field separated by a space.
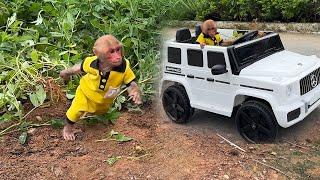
pixel 210 36
pixel 105 72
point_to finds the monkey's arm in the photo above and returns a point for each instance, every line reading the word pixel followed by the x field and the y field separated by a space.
pixel 227 42
pixel 65 74
pixel 134 92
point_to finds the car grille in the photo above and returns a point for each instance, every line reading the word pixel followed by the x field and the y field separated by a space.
pixel 310 81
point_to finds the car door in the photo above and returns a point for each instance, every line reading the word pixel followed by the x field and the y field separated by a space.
pixel 213 93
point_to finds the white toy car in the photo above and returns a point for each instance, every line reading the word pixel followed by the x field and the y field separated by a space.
pixel 255 79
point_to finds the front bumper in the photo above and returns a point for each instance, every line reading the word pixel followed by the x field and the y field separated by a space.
pixel 287 115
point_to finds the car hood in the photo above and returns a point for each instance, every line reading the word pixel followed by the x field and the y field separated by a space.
pixel 281 64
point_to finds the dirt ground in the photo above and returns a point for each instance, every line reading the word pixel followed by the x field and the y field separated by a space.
pixel 160 149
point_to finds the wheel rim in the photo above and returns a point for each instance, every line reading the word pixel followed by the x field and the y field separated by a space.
pixel 173 105
pixel 253 126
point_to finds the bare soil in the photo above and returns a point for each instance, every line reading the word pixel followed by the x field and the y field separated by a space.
pixel 160 149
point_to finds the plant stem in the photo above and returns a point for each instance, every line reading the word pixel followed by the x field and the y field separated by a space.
pixel 8 128
pixel 26 115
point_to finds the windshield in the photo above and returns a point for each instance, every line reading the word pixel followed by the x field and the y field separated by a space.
pixel 246 54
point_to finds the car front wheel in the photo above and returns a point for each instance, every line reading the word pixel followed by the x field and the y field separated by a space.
pixel 256 122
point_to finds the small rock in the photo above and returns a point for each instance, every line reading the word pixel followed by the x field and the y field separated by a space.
pixel 273 153
pixel 39 118
pixel 57 171
pixel 31 130
pixel 148 177
pixel 226 177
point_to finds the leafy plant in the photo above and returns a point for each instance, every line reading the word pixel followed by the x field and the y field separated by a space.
pixel 113 159
pixel 112 116
pixel 40 38
pixel 119 137
pixel 247 10
pixel 116 136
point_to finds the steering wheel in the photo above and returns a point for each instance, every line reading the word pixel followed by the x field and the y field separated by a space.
pixel 246 37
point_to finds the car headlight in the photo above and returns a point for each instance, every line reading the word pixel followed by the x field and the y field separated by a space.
pixel 289 90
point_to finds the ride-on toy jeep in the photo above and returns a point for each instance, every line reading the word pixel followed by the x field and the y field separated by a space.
pixel 255 79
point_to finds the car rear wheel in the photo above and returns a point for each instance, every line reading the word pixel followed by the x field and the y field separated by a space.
pixel 176 104
pixel 256 122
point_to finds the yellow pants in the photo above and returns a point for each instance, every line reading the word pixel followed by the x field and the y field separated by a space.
pixel 82 104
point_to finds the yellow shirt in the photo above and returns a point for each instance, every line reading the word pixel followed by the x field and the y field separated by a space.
pixel 95 84
pixel 204 38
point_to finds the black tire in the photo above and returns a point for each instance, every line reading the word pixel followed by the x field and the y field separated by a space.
pixel 192 110
pixel 256 122
pixel 176 104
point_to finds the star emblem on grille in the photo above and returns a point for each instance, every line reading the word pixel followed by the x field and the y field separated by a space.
pixel 314 80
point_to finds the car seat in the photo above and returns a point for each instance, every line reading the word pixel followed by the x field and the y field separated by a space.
pixel 183 35
pixel 198 30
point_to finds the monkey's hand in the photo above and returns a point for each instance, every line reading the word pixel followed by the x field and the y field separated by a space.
pixel 69 132
pixel 134 92
pixel 65 75
pixel 202 45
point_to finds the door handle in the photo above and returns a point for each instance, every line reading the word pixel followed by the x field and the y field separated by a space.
pixel 190 76
pixel 210 79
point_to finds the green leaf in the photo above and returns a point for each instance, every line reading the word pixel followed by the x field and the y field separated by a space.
pixel 113 159
pixel 63 52
pixel 34 56
pixel 73 52
pixel 119 137
pixel 34 100
pixel 23 138
pixel 41 94
pixel 38 97
pixel 70 94
pixel 12 19
pixel 122 138
pixel 56 34
pixel 39 19
pixel 112 116
pixel 57 123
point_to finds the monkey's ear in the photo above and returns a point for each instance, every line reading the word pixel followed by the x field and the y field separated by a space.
pixel 95 51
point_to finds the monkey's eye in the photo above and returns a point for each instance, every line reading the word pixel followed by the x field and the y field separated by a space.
pixel 118 49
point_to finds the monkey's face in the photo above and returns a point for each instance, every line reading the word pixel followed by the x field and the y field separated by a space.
pixel 112 55
pixel 209 27
pixel 212 30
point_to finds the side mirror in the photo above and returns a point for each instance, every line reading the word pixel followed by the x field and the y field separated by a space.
pixel 218 69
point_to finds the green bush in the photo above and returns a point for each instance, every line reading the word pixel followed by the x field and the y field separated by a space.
pixel 247 10
pixel 39 38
